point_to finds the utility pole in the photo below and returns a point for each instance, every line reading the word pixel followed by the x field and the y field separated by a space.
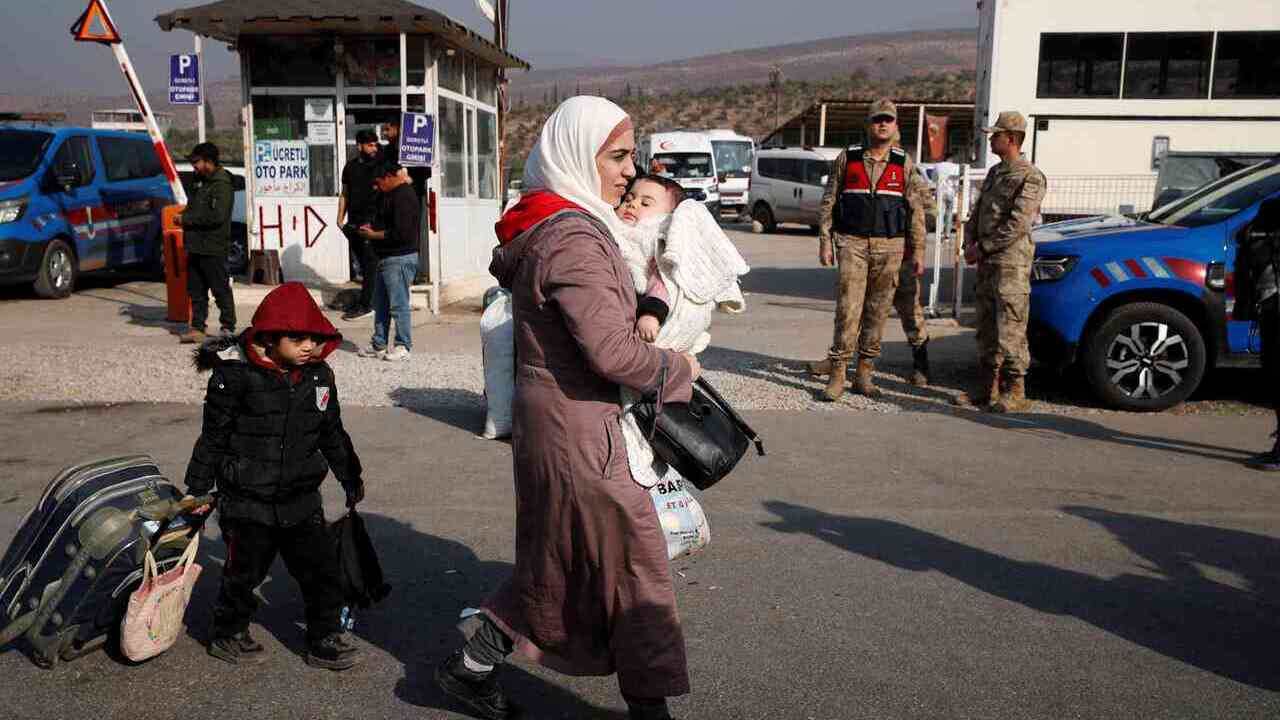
pixel 775 82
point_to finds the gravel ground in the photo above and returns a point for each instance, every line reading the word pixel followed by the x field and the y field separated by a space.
pixel 129 373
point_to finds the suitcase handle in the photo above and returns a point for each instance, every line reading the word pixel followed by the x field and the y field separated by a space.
pixel 169 509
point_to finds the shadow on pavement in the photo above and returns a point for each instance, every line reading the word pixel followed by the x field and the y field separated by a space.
pixel 1229 628
pixel 432 580
pixel 463 409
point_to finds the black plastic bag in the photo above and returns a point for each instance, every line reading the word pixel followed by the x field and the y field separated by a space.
pixel 362 581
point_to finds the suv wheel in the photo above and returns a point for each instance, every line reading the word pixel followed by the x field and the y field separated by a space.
pixel 58 269
pixel 1145 356
pixel 763 215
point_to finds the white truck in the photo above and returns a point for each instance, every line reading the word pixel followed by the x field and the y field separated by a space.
pixel 687 158
pixel 733 154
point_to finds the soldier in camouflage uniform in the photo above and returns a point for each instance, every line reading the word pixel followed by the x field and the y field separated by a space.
pixel 870 213
pixel 998 238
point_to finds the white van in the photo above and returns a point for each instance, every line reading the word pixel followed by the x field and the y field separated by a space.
pixel 733 165
pixel 787 184
pixel 687 158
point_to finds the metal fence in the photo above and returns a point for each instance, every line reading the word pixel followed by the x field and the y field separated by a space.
pixel 1075 195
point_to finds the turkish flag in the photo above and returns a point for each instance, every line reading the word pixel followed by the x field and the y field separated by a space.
pixel 937 129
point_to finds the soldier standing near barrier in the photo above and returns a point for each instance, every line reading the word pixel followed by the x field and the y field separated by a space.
pixel 871 215
pixel 998 239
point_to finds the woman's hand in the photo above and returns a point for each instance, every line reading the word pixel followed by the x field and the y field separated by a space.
pixel 647 326
pixel 695 367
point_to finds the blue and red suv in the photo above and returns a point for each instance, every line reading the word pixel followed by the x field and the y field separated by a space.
pixel 74 200
pixel 1144 306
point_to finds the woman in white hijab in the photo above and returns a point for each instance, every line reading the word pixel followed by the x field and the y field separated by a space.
pixel 591 592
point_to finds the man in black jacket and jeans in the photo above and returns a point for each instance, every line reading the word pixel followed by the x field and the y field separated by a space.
pixel 206 235
pixel 397 249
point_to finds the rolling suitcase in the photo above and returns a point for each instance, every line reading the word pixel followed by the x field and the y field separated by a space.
pixel 66 578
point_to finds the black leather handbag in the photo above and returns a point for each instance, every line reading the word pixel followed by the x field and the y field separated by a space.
pixel 702 439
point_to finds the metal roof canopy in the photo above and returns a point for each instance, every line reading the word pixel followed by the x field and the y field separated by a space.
pixel 229 20
pixel 830 119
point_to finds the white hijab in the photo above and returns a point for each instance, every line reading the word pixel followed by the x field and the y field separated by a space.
pixel 564 158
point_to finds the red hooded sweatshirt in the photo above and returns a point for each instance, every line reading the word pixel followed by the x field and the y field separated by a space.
pixel 290 308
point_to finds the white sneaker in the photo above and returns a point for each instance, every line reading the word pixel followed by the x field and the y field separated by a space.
pixel 370 351
pixel 396 353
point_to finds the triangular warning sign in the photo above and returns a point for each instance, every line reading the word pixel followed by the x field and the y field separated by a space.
pixel 95 25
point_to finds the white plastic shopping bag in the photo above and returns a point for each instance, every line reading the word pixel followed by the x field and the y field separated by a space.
pixel 681 516
pixel 498 349
pixel 153 620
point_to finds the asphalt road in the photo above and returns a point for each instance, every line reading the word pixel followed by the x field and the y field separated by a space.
pixel 928 563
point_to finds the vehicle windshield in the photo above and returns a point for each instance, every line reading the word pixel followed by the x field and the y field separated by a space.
pixel 1221 199
pixel 733 157
pixel 20 152
pixel 682 165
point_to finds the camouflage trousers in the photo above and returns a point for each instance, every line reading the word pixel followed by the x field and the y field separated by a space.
pixel 1004 301
pixel 906 301
pixel 868 270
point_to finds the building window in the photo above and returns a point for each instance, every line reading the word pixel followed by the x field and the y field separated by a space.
pixel 1167 65
pixel 487 136
pixel 293 61
pixel 450 66
pixel 283 119
pixel 1079 65
pixel 1247 65
pixel 452 140
pixel 370 62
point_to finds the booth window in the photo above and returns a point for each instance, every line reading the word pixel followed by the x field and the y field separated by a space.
pixel 1079 65
pixel 453 139
pixel 293 61
pixel 284 117
pixel 1247 66
pixel 486 84
pixel 451 70
pixel 487 131
pixel 1167 65
pixel 371 62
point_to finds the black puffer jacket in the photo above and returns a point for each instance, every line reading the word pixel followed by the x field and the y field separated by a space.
pixel 269 437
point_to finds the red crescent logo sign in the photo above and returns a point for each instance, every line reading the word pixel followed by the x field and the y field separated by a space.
pixel 664 145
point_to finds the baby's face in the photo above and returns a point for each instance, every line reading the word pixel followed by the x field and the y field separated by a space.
pixel 645 200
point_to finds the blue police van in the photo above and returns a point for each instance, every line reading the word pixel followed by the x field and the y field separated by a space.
pixel 75 200
pixel 1143 306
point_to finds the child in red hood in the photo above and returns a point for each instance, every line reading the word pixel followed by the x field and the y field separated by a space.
pixel 272 431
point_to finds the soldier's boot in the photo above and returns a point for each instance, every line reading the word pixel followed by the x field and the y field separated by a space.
pixel 835 384
pixel 819 368
pixel 985 392
pixel 1013 396
pixel 862 381
pixel 920 365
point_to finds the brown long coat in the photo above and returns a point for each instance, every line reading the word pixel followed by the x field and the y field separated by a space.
pixel 591 593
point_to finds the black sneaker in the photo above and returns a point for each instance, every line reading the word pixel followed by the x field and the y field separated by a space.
pixel 334 652
pixel 237 649
pixel 357 312
pixel 478 691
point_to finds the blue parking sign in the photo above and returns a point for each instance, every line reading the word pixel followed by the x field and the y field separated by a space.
pixel 417 139
pixel 184 79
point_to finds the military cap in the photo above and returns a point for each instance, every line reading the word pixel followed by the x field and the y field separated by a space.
pixel 883 106
pixel 1008 121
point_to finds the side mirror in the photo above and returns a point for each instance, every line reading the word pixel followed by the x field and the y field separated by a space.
pixel 722 176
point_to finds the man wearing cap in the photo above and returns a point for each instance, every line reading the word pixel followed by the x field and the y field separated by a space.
pixel 206 235
pixel 358 205
pixel 998 239
pixel 871 222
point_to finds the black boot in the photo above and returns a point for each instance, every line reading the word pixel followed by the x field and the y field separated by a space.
pixel 239 648
pixel 334 652
pixel 920 365
pixel 478 691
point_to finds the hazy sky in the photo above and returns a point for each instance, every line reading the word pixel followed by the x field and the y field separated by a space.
pixel 39 57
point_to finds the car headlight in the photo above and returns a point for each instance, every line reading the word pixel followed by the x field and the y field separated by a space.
pixel 1051 267
pixel 11 210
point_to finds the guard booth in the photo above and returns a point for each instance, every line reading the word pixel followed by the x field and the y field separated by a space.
pixel 313 74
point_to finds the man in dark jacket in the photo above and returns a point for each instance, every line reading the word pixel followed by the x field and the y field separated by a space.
pixel 397 249
pixel 358 205
pixel 272 431
pixel 206 235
